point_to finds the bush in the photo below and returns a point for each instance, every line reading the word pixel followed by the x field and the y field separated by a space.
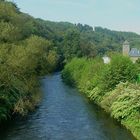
pixel 112 86
pixel 121 69
pixel 21 65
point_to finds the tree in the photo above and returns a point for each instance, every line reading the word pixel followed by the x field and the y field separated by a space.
pixel 121 69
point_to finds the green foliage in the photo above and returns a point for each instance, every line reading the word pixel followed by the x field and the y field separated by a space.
pixel 123 104
pixel 112 86
pixel 9 32
pixel 23 58
pixel 70 40
pixel 121 69
pixel 20 67
pixel 31 47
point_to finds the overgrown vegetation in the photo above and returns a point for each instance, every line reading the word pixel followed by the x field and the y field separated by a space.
pixel 112 86
pixel 23 57
pixel 30 48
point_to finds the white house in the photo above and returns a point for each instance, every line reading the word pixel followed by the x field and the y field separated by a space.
pixel 106 59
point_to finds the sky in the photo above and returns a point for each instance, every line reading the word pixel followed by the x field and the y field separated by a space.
pixel 122 15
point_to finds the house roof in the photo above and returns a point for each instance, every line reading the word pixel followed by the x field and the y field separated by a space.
pixel 134 52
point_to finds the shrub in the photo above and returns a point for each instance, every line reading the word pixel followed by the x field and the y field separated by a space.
pixel 121 69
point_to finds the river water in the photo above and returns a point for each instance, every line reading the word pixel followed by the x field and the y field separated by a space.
pixel 65 114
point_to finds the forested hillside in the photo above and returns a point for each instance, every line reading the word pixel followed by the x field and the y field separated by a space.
pixel 30 48
pixel 68 39
pixel 82 40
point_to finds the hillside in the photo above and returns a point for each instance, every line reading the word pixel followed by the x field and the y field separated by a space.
pixel 88 42
pixel 69 39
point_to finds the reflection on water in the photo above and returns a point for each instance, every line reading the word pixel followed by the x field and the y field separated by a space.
pixel 65 115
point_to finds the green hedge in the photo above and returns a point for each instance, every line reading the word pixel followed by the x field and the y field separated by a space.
pixel 112 86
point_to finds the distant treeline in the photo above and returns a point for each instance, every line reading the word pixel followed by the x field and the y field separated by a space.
pixel 31 47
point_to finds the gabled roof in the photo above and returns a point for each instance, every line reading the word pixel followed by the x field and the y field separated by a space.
pixel 134 52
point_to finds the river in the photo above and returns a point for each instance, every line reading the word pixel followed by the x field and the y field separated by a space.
pixel 65 114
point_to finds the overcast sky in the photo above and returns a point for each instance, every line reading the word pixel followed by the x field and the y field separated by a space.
pixel 121 15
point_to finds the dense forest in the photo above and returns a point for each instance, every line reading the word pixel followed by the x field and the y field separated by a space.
pixel 77 40
pixel 31 48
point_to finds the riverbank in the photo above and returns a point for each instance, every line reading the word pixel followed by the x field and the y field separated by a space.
pixel 64 114
pixel 25 55
pixel 21 69
pixel 99 83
